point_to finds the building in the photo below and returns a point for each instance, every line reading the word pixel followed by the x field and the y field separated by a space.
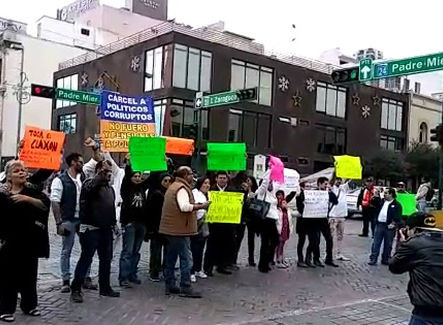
pixel 369 53
pixel 424 115
pixel 299 114
pixel 337 57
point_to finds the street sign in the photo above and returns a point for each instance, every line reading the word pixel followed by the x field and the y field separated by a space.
pixel 78 96
pixel 365 70
pixel 413 65
pixel 198 100
pixel 229 97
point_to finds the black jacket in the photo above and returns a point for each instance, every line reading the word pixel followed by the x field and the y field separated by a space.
pixel 394 210
pixel 422 257
pixel 134 199
pixel 300 201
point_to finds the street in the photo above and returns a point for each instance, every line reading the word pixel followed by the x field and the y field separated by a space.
pixel 354 293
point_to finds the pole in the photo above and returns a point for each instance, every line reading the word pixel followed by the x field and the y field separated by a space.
pixel 20 104
pixel 440 172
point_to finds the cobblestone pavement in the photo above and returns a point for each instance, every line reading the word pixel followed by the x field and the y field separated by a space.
pixel 354 293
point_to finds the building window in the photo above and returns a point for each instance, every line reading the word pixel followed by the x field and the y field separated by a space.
pixel 391 115
pixel 85 31
pixel 192 68
pixel 155 66
pixel 391 143
pixel 247 75
pixel 159 111
pixel 252 128
pixel 331 100
pixel 67 123
pixel 423 135
pixel 69 82
pixel 183 116
pixel 331 140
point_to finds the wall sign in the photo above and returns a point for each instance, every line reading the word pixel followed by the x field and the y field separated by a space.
pixel 75 9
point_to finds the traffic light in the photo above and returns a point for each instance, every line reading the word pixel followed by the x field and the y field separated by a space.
pixel 345 75
pixel 437 134
pixel 247 94
pixel 42 91
pixel 193 131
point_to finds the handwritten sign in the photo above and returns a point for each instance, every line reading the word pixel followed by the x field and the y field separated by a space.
pixel 148 154
pixel 179 146
pixel 227 156
pixel 115 135
pixel 226 207
pixel 348 167
pixel 408 203
pixel 316 204
pixel 42 148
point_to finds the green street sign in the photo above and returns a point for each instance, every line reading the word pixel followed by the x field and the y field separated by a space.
pixel 78 96
pixel 228 97
pixel 365 70
pixel 419 64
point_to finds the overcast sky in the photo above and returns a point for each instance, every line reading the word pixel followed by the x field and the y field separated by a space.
pixel 400 28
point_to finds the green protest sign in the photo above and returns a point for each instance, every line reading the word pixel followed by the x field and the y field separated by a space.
pixel 226 207
pixel 148 153
pixel 408 203
pixel 227 156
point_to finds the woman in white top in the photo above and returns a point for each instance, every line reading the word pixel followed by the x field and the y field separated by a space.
pixel 198 242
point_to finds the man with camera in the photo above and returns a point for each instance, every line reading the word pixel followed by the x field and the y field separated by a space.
pixel 421 254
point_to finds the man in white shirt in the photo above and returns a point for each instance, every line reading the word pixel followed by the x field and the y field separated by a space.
pixel 422 193
pixel 337 216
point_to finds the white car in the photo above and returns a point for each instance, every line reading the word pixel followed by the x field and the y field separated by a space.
pixel 352 198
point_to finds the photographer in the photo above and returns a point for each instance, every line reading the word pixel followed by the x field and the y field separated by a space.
pixel 421 254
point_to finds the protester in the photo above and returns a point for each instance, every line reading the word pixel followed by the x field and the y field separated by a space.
pixel 133 219
pixel 221 242
pixel 284 228
pixel 178 223
pixel 421 254
pixel 364 200
pixel 65 199
pixel 401 187
pixel 97 220
pixel 424 194
pixel 388 212
pixel 156 196
pixel 198 241
pixel 23 239
pixel 304 228
pixel 337 216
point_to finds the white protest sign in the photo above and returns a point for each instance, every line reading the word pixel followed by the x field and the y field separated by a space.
pixel 292 181
pixel 316 204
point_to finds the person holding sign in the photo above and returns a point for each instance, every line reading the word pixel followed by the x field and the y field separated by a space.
pixel 178 224
pixel 337 216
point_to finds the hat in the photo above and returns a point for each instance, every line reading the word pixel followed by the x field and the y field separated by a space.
pixel 422 220
pixel 400 184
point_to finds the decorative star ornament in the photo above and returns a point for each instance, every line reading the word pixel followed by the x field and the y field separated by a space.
pixel 376 100
pixel 283 83
pixel 135 63
pixel 311 85
pixel 365 111
pixel 84 79
pixel 355 99
pixel 297 99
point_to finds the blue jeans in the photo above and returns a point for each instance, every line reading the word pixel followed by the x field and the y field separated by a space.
pixel 419 321
pixel 67 244
pixel 421 206
pixel 178 247
pixel 382 235
pixel 133 235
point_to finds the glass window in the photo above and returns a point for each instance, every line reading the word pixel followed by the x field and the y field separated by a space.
pixel 206 67
pixel 182 118
pixel 155 66
pixel 180 65
pixel 265 92
pixel 159 111
pixel 149 70
pixel 398 125
pixel 341 104
pixel 331 140
pixel 205 124
pixel 67 123
pixel 331 100
pixel 68 82
pixel 234 127
pixel 252 76
pixel 193 69
pixel 384 115
pixel 392 120
pixel 188 121
pixel 176 120
pixel 391 143
pixel 158 63
pixel 392 115
pixel 264 130
pixel 250 128
pixel 321 100
pixel 237 76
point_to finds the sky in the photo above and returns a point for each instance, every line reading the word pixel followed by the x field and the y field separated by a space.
pixel 399 28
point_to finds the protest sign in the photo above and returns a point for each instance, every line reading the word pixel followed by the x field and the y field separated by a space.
pixel 148 154
pixel 115 135
pixel 227 156
pixel 292 181
pixel 226 207
pixel 316 204
pixel 348 167
pixel 408 203
pixel 179 146
pixel 42 148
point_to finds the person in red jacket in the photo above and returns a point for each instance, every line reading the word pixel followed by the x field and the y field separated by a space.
pixel 364 200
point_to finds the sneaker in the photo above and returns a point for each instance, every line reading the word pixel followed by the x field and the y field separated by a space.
pixel 125 284
pixel 281 266
pixel 88 285
pixel 189 293
pixel 66 288
pixel 33 312
pixel 154 278
pixel 110 293
pixel 76 296
pixel 7 318
pixel 201 275
pixel 342 258
pixel 193 278
pixel 232 267
pixel 372 263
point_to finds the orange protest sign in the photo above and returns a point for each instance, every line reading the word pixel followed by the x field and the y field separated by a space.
pixel 115 135
pixel 179 146
pixel 42 148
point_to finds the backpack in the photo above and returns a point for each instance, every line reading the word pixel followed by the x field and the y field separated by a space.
pixel 429 194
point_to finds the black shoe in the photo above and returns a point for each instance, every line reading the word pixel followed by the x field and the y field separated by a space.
pixel 172 291
pixel 135 281
pixel 110 293
pixel 372 263
pixel 309 264
pixel 363 235
pixel 232 268
pixel 189 293
pixel 319 264
pixel 331 263
pixel 385 262
pixel 302 264
pixel 76 296
pixel 223 270
pixel 209 273
pixel 252 263
pixel 125 284
pixel 88 285
pixel 66 287
pixel 263 269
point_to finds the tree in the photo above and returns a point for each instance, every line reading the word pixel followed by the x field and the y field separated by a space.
pixel 386 165
pixel 422 160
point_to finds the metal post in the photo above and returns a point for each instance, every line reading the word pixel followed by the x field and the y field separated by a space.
pixel 440 171
pixel 20 104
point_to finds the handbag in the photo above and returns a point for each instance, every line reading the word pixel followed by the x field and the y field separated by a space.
pixel 258 209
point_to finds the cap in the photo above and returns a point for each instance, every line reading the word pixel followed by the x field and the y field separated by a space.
pixel 400 184
pixel 422 220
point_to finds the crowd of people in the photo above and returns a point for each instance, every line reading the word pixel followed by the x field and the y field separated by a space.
pixel 98 200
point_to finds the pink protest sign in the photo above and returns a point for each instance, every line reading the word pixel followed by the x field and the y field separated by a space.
pixel 277 169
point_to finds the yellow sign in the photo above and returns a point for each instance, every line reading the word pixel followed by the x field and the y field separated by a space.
pixel 438 214
pixel 226 207
pixel 115 135
pixel 348 167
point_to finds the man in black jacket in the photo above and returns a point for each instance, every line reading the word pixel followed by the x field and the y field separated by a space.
pixel 421 254
pixel 97 219
pixel 388 212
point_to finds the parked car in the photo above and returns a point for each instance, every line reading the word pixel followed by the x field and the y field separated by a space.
pixel 351 199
